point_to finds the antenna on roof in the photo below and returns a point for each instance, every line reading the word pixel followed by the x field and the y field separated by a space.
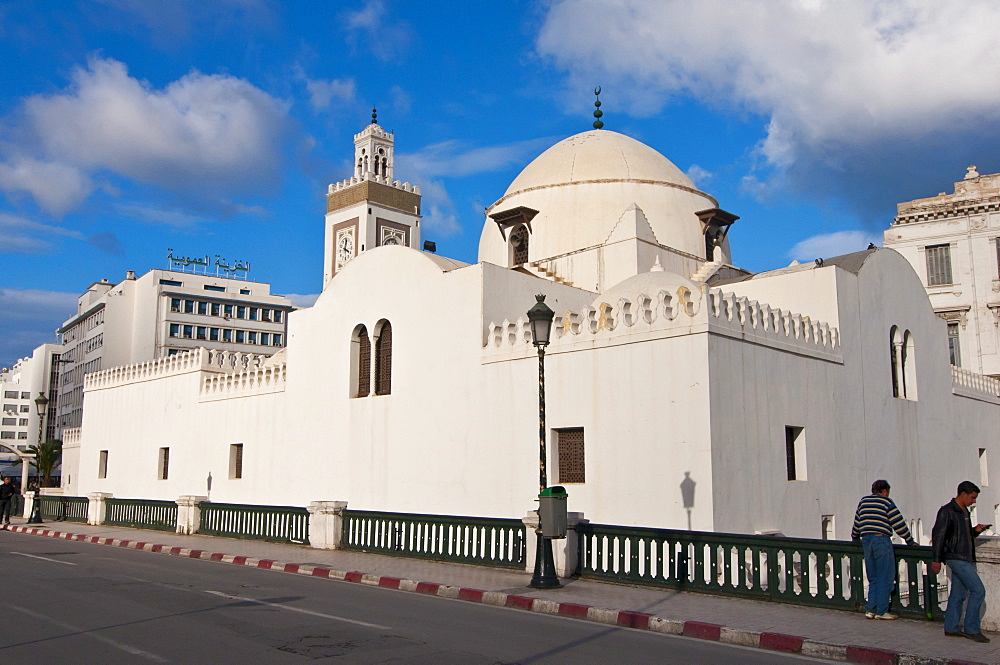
pixel 374 116
pixel 598 112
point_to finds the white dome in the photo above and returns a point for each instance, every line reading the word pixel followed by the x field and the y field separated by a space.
pixel 598 156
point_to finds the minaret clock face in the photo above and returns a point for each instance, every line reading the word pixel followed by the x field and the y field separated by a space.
pixel 345 248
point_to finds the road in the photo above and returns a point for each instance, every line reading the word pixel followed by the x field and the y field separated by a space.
pixel 64 602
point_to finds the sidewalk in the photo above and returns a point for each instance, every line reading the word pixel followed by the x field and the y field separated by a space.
pixel 832 634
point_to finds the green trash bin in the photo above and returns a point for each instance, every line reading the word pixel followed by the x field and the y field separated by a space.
pixel 552 511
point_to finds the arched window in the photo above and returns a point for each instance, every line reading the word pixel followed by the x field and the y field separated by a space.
pixel 909 367
pixel 383 360
pixel 361 363
pixel 902 361
pixel 895 359
pixel 519 245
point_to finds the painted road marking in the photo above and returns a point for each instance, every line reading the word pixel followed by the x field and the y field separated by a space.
pixel 45 558
pixel 297 609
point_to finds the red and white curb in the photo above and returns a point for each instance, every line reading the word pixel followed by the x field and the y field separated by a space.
pixel 621 618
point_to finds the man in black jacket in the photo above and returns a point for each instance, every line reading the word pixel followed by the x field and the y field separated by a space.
pixel 7 492
pixel 953 542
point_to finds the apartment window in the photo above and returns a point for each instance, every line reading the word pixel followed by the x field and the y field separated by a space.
pixel 245 292
pixel 102 464
pixel 277 339
pixel 163 469
pixel 277 315
pixel 202 332
pixel 216 308
pixel 175 304
pixel 569 455
pixel 10 394
pixel 984 469
pixel 22 435
pixel 265 315
pixel 188 332
pixel 6 435
pixel 9 421
pixel 227 334
pixel 241 312
pixel 27 395
pixel 24 408
pixel 175 329
pixel 240 337
pixel 209 287
pixel 252 337
pixel 253 313
pixel 171 282
pixel 213 334
pixel 10 407
pixel 236 460
pixel 202 307
pixel 174 352
pixel 227 311
pixel 938 265
pixel 189 307
pixel 265 339
pixel 795 452
pixel 954 350
pixel 383 360
pixel 22 422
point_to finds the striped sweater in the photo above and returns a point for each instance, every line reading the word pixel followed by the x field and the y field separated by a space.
pixel 878 515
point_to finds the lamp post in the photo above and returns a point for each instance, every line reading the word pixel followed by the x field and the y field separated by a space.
pixel 41 403
pixel 540 318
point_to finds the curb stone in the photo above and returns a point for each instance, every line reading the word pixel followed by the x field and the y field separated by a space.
pixel 769 641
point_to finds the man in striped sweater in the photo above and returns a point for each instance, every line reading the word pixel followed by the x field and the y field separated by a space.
pixel 875 520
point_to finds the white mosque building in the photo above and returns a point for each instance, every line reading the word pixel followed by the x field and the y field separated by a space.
pixel 681 392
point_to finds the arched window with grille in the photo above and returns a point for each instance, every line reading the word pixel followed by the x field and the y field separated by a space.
pixel 383 360
pixel 519 246
pixel 361 363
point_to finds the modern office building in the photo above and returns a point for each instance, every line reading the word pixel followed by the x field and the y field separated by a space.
pixel 20 385
pixel 160 314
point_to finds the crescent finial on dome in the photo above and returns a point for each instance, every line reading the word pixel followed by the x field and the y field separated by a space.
pixel 598 112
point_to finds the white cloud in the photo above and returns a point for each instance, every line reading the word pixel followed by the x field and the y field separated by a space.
pixel 36 178
pixel 371 27
pixel 833 244
pixel 34 315
pixel 18 234
pixel 324 93
pixel 699 175
pixel 203 135
pixel 302 300
pixel 854 92
pixel 175 218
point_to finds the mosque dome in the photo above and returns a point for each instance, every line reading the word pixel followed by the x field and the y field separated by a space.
pixel 577 196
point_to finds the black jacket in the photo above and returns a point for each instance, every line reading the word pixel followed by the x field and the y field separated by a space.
pixel 953 536
pixel 7 490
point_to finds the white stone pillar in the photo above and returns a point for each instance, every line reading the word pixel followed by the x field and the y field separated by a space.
pixel 29 503
pixel 326 524
pixel 189 513
pixel 95 509
pixel 988 565
pixel 565 551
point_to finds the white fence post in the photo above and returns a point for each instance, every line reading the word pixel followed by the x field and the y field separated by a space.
pixel 29 503
pixel 326 524
pixel 189 513
pixel 95 509
pixel 988 565
pixel 565 551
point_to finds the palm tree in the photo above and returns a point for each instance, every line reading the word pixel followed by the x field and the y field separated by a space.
pixel 47 456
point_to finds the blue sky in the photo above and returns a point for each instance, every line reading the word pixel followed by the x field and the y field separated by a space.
pixel 213 127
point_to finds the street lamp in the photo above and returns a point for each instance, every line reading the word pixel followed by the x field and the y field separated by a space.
pixel 41 404
pixel 540 318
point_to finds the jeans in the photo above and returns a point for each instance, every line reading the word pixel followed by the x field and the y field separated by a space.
pixel 964 582
pixel 5 507
pixel 880 566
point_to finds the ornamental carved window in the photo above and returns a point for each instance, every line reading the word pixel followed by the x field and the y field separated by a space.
pixel 383 360
pixel 364 363
pixel 519 246
pixel 569 449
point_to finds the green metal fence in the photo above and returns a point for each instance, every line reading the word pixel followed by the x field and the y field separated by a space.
pixel 482 541
pixel 69 508
pixel 17 505
pixel 141 513
pixel 278 523
pixel 821 573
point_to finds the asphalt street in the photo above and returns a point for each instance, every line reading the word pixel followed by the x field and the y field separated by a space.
pixel 74 603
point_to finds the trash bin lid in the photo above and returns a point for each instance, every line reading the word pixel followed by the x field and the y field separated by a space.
pixel 557 491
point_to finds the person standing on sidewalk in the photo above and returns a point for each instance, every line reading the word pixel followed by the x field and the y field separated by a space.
pixel 874 521
pixel 7 492
pixel 953 540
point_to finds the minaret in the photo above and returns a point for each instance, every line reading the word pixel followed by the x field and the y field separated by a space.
pixel 370 209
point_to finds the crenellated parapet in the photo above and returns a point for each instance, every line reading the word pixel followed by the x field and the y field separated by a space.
pixel 685 309
pixel 371 177
pixel 71 437
pixel 199 359
pixel 256 381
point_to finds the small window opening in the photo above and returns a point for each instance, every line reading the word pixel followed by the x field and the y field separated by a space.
pixel 102 464
pixel 984 469
pixel 795 452
pixel 236 461
pixel 163 470
pixel 570 462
